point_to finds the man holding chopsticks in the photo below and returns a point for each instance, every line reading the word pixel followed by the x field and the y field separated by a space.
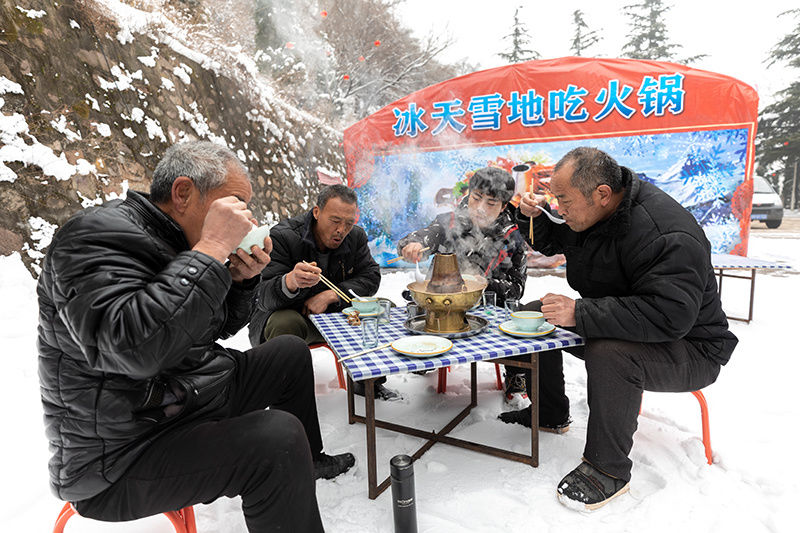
pixel 317 259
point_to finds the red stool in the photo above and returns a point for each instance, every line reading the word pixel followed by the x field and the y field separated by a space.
pixel 339 372
pixel 182 521
pixel 705 421
pixel 441 387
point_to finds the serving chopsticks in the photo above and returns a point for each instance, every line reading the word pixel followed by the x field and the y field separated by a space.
pixel 399 257
pixel 333 287
pixel 376 348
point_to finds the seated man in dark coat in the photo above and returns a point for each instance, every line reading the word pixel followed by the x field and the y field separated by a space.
pixel 322 241
pixel 145 412
pixel 649 310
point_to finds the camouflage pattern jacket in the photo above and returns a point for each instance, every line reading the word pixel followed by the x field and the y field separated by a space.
pixel 497 252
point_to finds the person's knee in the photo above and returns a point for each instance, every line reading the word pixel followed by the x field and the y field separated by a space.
pixel 285 322
pixel 610 356
pixel 274 438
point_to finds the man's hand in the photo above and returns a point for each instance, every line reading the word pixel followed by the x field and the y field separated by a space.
pixel 303 276
pixel 227 222
pixel 245 266
pixel 558 309
pixel 319 302
pixel 412 252
pixel 528 203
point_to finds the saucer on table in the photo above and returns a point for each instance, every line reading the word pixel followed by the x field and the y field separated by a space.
pixel 508 328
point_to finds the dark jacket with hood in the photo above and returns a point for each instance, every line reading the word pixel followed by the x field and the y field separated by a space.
pixel 128 319
pixel 350 266
pixel 644 274
pixel 497 252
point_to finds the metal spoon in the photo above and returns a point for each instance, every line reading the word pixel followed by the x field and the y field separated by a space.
pixel 554 219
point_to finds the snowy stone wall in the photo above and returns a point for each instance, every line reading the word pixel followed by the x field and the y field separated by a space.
pixel 93 92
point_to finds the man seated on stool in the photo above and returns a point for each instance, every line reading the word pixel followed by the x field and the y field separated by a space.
pixel 144 411
pixel 324 241
pixel 649 311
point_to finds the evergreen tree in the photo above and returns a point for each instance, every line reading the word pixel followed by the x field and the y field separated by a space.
pixel 583 37
pixel 519 40
pixel 778 139
pixel 648 37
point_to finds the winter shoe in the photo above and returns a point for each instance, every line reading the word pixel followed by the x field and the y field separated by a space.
pixel 515 395
pixel 523 417
pixel 329 466
pixel 381 392
pixel 586 488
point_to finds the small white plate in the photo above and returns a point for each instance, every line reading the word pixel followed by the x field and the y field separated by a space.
pixel 352 310
pixel 422 345
pixel 508 327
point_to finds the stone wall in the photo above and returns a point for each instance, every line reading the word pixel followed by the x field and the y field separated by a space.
pixel 104 103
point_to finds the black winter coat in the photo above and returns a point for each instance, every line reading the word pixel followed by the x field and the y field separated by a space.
pixel 498 252
pixel 350 266
pixel 644 274
pixel 128 319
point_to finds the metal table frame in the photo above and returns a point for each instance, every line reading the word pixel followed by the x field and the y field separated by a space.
pixel 723 263
pixel 432 437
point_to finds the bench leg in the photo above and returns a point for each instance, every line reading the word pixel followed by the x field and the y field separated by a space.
pixel 706 426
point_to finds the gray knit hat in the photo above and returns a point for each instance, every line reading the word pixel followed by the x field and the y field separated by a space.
pixel 494 181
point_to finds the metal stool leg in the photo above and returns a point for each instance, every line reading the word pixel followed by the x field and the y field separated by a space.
pixel 706 426
pixel 183 521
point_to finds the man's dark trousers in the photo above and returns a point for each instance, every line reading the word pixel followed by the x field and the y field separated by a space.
pixel 263 455
pixel 617 373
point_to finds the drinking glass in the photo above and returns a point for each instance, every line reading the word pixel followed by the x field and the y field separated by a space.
pixel 489 303
pixel 412 310
pixel 386 311
pixel 512 305
pixel 369 332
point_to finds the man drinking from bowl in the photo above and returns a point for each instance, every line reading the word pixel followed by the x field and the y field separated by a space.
pixel 649 310
pixel 144 410
pixel 324 241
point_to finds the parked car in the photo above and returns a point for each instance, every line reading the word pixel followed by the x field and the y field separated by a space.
pixel 767 205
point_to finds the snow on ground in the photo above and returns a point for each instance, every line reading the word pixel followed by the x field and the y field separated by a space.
pixel 752 485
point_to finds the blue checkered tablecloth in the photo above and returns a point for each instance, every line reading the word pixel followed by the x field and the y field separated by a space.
pixel 345 340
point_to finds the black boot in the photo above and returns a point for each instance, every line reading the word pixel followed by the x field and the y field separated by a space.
pixel 523 417
pixel 586 488
pixel 329 466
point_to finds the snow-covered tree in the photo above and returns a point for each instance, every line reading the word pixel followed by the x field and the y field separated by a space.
pixel 648 37
pixel 584 38
pixel 520 39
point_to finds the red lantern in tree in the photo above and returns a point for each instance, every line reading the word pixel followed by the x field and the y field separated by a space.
pixel 361 58
pixel 377 43
pixel 324 14
pixel 345 77
pixel 290 45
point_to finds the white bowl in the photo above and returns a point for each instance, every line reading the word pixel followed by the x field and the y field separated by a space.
pixel 255 237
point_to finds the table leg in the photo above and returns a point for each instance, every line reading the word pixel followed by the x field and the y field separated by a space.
pixel 534 409
pixel 752 293
pixel 351 407
pixel 473 379
pixel 372 467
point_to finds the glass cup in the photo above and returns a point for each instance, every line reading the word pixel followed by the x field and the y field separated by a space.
pixel 512 305
pixel 386 311
pixel 413 310
pixel 489 303
pixel 369 332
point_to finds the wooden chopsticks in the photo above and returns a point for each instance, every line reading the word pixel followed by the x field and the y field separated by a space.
pixel 398 258
pixel 531 220
pixel 378 347
pixel 333 287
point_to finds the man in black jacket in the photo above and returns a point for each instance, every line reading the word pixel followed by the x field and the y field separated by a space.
pixel 649 310
pixel 323 241
pixel 144 411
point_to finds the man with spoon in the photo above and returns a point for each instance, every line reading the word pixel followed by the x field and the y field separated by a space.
pixel 649 310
